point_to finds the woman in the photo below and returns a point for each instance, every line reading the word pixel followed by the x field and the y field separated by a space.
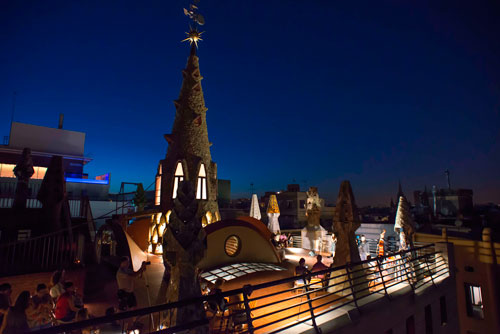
pixel 57 284
pixel 15 320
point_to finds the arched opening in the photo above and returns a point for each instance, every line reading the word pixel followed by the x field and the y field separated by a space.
pixel 201 192
pixel 178 177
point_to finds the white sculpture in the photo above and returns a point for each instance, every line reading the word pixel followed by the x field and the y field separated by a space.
pixel 254 208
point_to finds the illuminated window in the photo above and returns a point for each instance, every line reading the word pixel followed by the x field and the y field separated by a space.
pixel 474 301
pixel 232 246
pixel 39 173
pixel 178 177
pixel 158 186
pixel 201 192
pixel 7 170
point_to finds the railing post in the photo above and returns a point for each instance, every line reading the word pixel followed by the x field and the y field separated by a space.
pixel 407 270
pixel 382 278
pixel 348 274
pixel 247 291
pixel 313 318
pixel 429 270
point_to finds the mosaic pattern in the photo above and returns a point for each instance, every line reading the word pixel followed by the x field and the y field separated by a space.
pixel 236 270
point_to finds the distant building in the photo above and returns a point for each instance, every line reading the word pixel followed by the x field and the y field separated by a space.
pixel 445 202
pixel 292 203
pixel 44 143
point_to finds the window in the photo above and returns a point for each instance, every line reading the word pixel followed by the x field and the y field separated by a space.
pixel 410 325
pixel 474 301
pixel 302 204
pixel 158 186
pixel 428 320
pixel 444 313
pixel 232 246
pixel 7 170
pixel 178 177
pixel 201 192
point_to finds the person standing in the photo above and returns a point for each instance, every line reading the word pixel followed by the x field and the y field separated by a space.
pixel 333 244
pixel 125 278
pixel 364 248
pixel 381 244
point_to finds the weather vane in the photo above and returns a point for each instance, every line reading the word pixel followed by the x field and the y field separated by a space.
pixel 194 35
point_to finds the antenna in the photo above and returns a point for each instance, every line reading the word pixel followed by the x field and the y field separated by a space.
pixel 447 173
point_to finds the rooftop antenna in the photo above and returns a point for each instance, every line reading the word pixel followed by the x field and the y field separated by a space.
pixel 251 186
pixel 447 173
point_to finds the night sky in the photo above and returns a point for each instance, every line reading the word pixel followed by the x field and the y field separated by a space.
pixel 309 92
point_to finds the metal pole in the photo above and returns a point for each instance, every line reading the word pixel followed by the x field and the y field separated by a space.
pixel 313 318
pixel 429 270
pixel 382 278
pixel 352 287
pixel 247 290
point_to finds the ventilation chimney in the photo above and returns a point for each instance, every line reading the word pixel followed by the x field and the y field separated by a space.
pixel 61 120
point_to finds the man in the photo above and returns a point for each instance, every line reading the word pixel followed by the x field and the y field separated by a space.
pixel 381 244
pixel 65 306
pixel 125 278
pixel 301 269
pixel 364 248
pixel 319 266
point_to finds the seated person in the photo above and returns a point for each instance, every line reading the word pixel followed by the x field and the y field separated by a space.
pixel 319 266
pixel 301 269
pixel 65 306
pixel 40 314
pixel 217 305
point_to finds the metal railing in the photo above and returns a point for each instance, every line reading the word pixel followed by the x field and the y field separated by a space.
pixel 43 253
pixel 279 305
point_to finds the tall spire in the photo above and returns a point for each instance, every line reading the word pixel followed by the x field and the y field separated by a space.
pixel 400 191
pixel 188 155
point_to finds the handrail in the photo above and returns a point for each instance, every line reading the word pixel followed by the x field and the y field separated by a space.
pixel 17 242
pixel 410 263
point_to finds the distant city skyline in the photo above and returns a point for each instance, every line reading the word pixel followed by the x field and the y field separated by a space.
pixel 313 92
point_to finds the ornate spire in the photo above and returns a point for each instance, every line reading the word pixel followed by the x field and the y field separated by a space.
pixel 404 223
pixel 400 191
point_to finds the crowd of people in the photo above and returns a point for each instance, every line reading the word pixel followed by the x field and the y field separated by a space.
pixel 59 302
pixel 47 305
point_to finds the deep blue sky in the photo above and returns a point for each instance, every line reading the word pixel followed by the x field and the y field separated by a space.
pixel 316 91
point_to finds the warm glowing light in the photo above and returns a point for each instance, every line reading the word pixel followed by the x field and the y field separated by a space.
pixel 193 36
pixel 155 236
pixel 167 216
pixel 159 249
pixel 150 248
pixel 178 177
pixel 161 229
pixel 201 192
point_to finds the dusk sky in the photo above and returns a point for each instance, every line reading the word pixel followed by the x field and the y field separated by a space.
pixel 308 92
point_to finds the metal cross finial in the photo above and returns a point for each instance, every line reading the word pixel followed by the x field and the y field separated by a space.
pixel 194 35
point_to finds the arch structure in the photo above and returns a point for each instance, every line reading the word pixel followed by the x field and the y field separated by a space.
pixel 241 240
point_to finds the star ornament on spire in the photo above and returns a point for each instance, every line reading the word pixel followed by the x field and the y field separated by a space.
pixel 193 36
